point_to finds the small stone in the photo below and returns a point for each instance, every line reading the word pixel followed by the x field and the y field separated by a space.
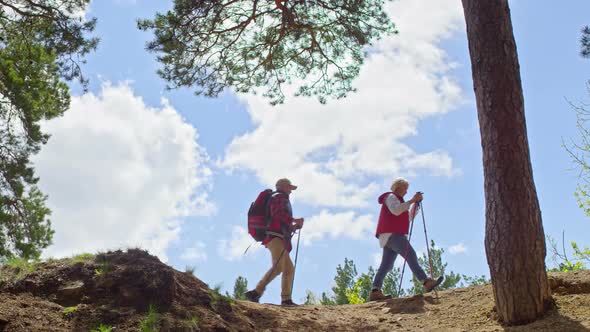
pixel 386 310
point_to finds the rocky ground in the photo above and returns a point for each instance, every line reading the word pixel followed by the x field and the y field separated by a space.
pixel 116 289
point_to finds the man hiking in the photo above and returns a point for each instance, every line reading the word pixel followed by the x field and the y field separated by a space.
pixel 278 242
pixel 392 228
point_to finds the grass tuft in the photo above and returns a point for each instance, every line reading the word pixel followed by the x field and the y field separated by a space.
pixel 104 267
pixel 102 328
pixel 83 258
pixel 150 322
pixel 217 297
pixel 194 321
pixel 22 266
pixel 69 310
pixel 190 270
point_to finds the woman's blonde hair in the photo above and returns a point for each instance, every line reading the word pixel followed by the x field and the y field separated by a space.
pixel 398 183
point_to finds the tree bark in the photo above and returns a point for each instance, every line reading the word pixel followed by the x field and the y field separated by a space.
pixel 514 241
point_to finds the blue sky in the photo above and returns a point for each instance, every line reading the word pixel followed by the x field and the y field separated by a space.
pixel 132 164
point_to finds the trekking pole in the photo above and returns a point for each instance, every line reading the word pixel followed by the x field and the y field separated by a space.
pixel 295 265
pixel 428 250
pixel 245 251
pixel 401 279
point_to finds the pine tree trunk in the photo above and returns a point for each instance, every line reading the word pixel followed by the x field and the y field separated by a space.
pixel 514 241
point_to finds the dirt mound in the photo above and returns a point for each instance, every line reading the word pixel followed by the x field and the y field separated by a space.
pixel 114 288
pixel 118 288
pixel 575 282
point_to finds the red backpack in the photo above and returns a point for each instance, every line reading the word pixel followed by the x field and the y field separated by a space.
pixel 259 215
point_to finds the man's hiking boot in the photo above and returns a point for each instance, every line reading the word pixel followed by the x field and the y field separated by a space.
pixel 377 295
pixel 288 303
pixel 252 296
pixel 430 284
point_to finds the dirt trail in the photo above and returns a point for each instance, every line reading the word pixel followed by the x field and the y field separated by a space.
pixel 466 309
pixel 117 288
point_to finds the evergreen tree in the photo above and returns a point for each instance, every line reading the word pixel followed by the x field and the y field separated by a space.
pixel 391 283
pixel 41 43
pixel 247 44
pixel 310 298
pixel 438 269
pixel 345 280
pixel 327 300
pixel 585 41
pixel 240 288
pixel 365 283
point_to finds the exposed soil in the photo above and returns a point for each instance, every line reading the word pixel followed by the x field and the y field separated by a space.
pixel 117 288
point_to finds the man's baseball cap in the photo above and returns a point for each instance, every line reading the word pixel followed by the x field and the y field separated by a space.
pixel 282 182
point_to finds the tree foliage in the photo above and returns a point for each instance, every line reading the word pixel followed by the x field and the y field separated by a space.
pixel 354 294
pixel 310 298
pixel 327 299
pixel 345 280
pixel 391 284
pixel 566 263
pixel 579 151
pixel 585 41
pixel 245 44
pixel 349 289
pixel 41 43
pixel 439 268
pixel 365 284
pixel 468 281
pixel 240 288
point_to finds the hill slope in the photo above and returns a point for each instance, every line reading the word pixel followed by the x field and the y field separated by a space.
pixel 117 288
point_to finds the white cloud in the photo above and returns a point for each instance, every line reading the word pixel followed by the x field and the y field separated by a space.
pixel 344 225
pixel 196 253
pixel 335 150
pixel 119 173
pixel 233 249
pixel 458 248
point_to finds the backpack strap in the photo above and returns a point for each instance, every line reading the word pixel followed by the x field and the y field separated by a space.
pixel 267 206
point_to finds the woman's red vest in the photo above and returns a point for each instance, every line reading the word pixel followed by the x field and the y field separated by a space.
pixel 390 223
